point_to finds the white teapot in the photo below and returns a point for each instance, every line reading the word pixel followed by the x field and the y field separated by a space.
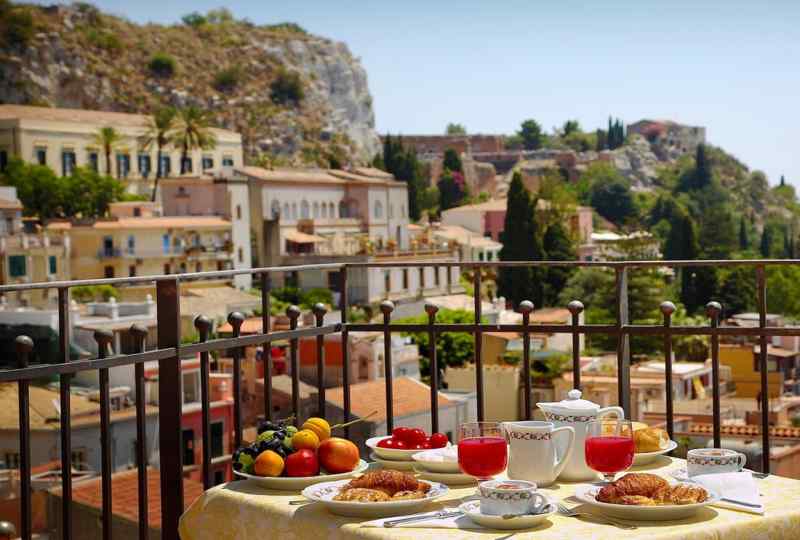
pixel 576 412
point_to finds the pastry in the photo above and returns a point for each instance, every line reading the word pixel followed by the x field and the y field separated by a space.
pixel 408 495
pixel 650 439
pixel 644 489
pixel 389 482
pixel 685 494
pixel 361 495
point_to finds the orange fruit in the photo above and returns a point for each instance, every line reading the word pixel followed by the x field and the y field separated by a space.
pixel 268 463
pixel 305 438
pixel 320 426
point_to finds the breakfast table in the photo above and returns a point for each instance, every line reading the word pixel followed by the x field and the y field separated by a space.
pixel 243 510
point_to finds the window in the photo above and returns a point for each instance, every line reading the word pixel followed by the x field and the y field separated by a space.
pixel 3 160
pixel 167 269
pixel 52 265
pixel 11 460
pixel 241 255
pixel 334 280
pixel 490 256
pixel 131 244
pixel 78 459
pixel 94 161
pixel 405 278
pixel 40 155
pixel 191 387
pixel 123 165
pixel 316 210
pixel 480 255
pixel 436 275
pixel 144 165
pixel 182 268
pixel 421 278
pixel 198 267
pixel 304 210
pixel 165 243
pixel 166 165
pixel 186 165
pixel 137 212
pixel 227 161
pixel 67 162
pixel 387 281
pixel 275 209
pixel 332 210
pixel 238 211
pixel 294 210
pixel 324 213
pixel 108 271
pixel 286 211
pixel 208 163
pixel 378 210
pixel 132 271
pixel 217 439
pixel 188 446
pixel 342 209
pixel 17 265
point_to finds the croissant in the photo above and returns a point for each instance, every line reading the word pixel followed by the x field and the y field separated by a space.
pixel 640 484
pixel 390 482
pixel 650 439
pixel 684 494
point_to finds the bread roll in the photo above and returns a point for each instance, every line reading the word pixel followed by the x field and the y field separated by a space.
pixel 650 440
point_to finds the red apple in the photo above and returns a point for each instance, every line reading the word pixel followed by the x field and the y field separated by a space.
pixel 302 463
pixel 338 455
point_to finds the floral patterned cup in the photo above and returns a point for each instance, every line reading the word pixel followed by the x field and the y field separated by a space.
pixel 713 460
pixel 510 498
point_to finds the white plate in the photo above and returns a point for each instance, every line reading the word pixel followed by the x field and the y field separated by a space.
pixel 289 483
pixel 473 511
pixel 394 464
pixel 643 458
pixel 390 453
pixel 683 476
pixel 586 493
pixel 451 479
pixel 435 466
pixel 325 492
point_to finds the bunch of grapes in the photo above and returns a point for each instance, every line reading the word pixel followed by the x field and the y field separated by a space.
pixel 275 436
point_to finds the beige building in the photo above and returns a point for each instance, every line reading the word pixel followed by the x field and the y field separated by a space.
pixel 62 139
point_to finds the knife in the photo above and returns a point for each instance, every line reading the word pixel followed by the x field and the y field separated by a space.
pixel 734 501
pixel 422 517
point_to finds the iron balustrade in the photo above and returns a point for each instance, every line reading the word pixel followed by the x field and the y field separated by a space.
pixel 170 350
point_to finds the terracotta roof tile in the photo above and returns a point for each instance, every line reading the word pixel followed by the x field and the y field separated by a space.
pixel 410 397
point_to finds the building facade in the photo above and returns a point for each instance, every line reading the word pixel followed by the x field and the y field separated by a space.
pixel 63 139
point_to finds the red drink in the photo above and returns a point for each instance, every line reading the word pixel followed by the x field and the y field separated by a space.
pixel 609 454
pixel 482 457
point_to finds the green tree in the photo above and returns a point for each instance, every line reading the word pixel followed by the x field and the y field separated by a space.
pixel 744 238
pixel 531 135
pixel 452 161
pixel 455 129
pixel 192 132
pixel 768 246
pixel 614 201
pixel 682 243
pixel 570 126
pixel 287 88
pixel 405 166
pixel 521 242
pixel 108 139
pixel 615 136
pixel 737 293
pixel 162 65
pixel 701 175
pixel 452 189
pixel 557 247
pixel 88 193
pixel 159 132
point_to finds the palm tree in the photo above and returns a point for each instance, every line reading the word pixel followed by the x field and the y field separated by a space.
pixel 192 132
pixel 107 138
pixel 160 130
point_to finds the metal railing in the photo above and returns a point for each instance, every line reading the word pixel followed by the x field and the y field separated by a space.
pixel 170 349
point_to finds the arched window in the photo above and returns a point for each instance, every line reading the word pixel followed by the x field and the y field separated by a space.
pixel 332 210
pixel 324 211
pixel 342 209
pixel 305 210
pixel 275 209
pixel 294 210
pixel 378 210
pixel 286 214
pixel 316 210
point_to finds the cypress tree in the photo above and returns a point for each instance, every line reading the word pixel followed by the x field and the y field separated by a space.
pixel 557 247
pixel 702 169
pixel 521 242
pixel 452 161
pixel 744 240
pixel 783 181
pixel 766 242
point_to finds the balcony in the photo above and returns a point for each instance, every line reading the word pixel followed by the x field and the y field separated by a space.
pixel 170 349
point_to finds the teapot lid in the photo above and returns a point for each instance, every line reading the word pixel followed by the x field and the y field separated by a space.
pixel 574 402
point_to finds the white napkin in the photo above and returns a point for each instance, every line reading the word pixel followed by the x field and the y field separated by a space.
pixel 458 522
pixel 734 486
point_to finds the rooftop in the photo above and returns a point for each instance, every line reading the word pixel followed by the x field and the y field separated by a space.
pixel 320 176
pixel 410 397
pixel 6 204
pixel 163 222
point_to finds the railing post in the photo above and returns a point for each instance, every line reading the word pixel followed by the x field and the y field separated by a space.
pixel 431 310
pixel 24 346
pixel 386 308
pixel 762 367
pixel 623 343
pixel 236 319
pixel 203 325
pixel 293 312
pixel 139 333
pixel 104 339
pixel 667 309
pixel 476 285
pixel 66 429
pixel 713 310
pixel 319 314
pixel 169 407
pixel 266 285
pixel 575 308
pixel 344 306
pixel 526 307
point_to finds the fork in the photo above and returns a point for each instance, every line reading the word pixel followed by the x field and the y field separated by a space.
pixel 572 513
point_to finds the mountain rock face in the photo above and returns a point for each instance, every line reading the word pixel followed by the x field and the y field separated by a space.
pixel 79 57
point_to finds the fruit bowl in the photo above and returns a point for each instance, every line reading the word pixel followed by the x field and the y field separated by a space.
pixel 296 483
pixel 391 453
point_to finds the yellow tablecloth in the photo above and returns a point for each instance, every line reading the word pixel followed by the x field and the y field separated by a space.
pixel 242 510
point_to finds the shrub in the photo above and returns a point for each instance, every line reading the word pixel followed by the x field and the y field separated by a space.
pixel 288 27
pixel 103 39
pixel 315 296
pixel 194 19
pixel 91 293
pixel 16 24
pixel 228 79
pixel 162 65
pixel 287 88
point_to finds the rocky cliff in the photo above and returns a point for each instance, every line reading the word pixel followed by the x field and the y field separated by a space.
pixel 77 56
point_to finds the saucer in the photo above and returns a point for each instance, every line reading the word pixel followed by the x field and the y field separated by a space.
pixel 450 479
pixel 472 509
pixel 682 475
pixel 393 464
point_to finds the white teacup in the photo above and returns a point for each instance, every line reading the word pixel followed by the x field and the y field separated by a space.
pixel 510 498
pixel 713 460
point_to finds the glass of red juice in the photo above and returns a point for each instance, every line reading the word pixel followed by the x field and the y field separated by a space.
pixel 609 446
pixel 482 449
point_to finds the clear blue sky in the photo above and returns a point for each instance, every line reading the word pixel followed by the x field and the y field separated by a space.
pixel 730 65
